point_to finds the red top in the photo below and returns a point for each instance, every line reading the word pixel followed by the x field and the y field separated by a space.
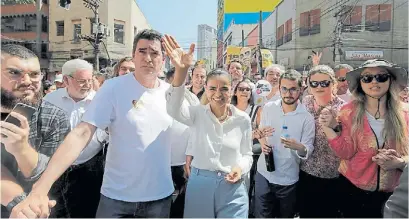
pixel 356 151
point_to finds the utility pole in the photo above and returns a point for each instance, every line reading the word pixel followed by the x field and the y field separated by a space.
pixel 242 36
pixel 260 42
pixel 39 17
pixel 97 32
pixel 337 40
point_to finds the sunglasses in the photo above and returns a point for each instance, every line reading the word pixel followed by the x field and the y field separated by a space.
pixel 242 89
pixel 323 84
pixel 380 78
pixel 341 79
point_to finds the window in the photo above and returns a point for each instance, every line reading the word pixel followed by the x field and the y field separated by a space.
pixel 304 23
pixel 119 33
pixel 315 21
pixel 352 18
pixel 44 24
pixel 60 28
pixel 378 17
pixel 288 30
pixel 44 51
pixel 77 32
pixel 310 22
pixel 280 35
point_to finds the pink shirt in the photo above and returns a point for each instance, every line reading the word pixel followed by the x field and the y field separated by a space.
pixel 356 151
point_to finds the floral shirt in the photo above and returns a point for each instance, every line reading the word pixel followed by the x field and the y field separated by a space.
pixel 323 162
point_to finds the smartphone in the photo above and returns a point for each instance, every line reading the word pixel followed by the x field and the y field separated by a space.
pixel 22 109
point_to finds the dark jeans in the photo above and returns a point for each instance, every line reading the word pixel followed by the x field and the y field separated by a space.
pixel 273 200
pixel 82 188
pixel 358 203
pixel 178 205
pixel 318 197
pixel 111 208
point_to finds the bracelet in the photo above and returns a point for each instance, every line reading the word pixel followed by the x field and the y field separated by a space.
pixel 15 201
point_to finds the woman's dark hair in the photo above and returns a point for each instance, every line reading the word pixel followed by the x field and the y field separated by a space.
pixel 234 60
pixel 234 97
pixel 292 75
pixel 46 85
pixel 118 65
pixel 214 73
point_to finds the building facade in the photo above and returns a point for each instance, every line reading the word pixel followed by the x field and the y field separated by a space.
pixel 205 37
pixel 122 19
pixel 19 25
pixel 370 29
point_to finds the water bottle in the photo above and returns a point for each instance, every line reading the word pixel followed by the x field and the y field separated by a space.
pixel 284 132
pixel 270 161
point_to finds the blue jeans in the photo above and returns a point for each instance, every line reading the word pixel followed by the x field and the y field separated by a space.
pixel 209 195
pixel 111 208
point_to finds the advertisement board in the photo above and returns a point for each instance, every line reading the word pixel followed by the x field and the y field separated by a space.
pixel 363 55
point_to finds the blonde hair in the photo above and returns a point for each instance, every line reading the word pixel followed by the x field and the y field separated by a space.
pixel 395 126
pixel 326 70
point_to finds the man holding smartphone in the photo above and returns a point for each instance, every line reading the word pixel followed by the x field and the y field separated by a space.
pixel 26 145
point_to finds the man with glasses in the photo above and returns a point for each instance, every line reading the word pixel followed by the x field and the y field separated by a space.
pixel 83 179
pixel 341 71
pixel 275 192
pixel 26 149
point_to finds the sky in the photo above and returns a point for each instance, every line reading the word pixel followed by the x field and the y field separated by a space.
pixel 179 18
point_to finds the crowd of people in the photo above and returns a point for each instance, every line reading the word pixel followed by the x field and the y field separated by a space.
pixel 332 143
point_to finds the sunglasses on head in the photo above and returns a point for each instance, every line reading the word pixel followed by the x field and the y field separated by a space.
pixel 341 79
pixel 243 89
pixel 380 78
pixel 315 84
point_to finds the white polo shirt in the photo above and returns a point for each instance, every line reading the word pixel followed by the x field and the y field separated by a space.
pixel 137 167
pixel 301 127
pixel 75 111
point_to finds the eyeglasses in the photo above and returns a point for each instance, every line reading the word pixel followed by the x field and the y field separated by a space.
pixel 242 89
pixel 323 84
pixel 82 82
pixel 341 79
pixel 292 90
pixel 380 78
pixel 17 75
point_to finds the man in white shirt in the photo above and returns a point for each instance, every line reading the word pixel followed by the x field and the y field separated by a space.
pixel 272 75
pixel 83 179
pixel 137 180
pixel 275 192
pixel 341 71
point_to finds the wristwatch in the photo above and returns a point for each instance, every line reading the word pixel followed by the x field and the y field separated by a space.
pixel 338 128
pixel 15 201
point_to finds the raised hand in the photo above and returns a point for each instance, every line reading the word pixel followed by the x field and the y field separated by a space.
pixel 179 58
pixel 14 138
pixel 316 58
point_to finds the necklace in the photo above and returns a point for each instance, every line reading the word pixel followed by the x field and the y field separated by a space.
pixel 224 116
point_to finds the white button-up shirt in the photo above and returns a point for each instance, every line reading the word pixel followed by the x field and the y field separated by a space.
pixel 75 111
pixel 215 146
pixel 301 127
